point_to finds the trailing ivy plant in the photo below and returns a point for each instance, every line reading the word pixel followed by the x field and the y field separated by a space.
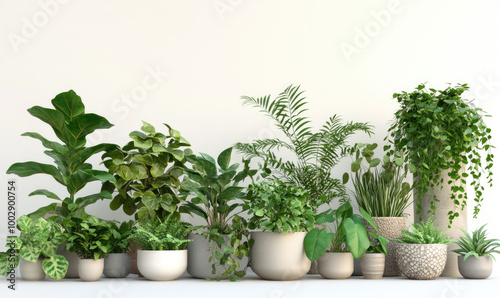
pixel 439 130
pixel 316 153
pixel 39 239
pixel 89 237
pixel 71 125
pixel 147 172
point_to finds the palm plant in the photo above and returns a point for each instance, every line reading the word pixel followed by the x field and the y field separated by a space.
pixel 316 153
pixel 477 245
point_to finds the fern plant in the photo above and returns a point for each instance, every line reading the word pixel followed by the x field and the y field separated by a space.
pixel 424 233
pixel 316 153
pixel 477 245
pixel 168 234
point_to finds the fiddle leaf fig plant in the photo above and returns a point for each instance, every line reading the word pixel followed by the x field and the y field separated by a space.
pixel 147 172
pixel 439 130
pixel 71 125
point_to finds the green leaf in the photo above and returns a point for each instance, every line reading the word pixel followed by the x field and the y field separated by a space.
pixel 25 169
pixel 29 253
pixel 356 238
pixel 375 162
pixel 230 193
pixel 356 165
pixel 24 223
pixel 345 178
pixel 224 159
pixel 7 263
pixel 148 128
pixel 316 243
pixel 69 104
pixel 46 193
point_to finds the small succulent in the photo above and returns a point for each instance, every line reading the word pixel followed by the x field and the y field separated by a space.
pixel 424 233
pixel 477 245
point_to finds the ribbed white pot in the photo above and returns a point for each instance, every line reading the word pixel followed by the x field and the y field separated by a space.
pixel 90 269
pixel 117 265
pixel 162 265
pixel 30 270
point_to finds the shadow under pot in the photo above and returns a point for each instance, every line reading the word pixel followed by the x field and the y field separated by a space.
pixel 162 265
pixel 336 265
pixel 30 270
pixel 421 261
pixel 90 269
pixel 275 256
pixel 475 268
pixel 117 265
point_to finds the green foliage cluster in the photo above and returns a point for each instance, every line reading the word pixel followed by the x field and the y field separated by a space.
pixel 39 239
pixel 88 237
pixel 167 234
pixel 119 241
pixel 71 125
pixel 477 245
pixel 424 233
pixel 439 130
pixel 147 172
pixel 316 153
pixel 278 207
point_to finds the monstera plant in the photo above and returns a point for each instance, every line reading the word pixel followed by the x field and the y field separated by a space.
pixel 71 125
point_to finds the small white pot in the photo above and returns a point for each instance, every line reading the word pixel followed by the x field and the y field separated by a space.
pixel 90 269
pixel 475 268
pixel 336 265
pixel 117 265
pixel 162 265
pixel 30 270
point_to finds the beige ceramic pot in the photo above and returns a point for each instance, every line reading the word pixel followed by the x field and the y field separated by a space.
pixel 475 268
pixel 421 261
pixel 336 265
pixel 372 265
pixel 90 269
pixel 117 265
pixel 162 265
pixel 275 256
pixel 30 270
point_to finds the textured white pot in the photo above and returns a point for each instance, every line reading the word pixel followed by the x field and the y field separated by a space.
pixel 475 268
pixel 90 269
pixel 72 259
pixel 162 265
pixel 372 265
pixel 336 265
pixel 117 265
pixel 30 270
pixel 421 261
pixel 275 256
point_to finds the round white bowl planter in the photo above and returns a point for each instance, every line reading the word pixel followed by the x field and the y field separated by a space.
pixel 336 265
pixel 30 270
pixel 117 265
pixel 421 261
pixel 275 256
pixel 475 268
pixel 162 265
pixel 372 265
pixel 90 269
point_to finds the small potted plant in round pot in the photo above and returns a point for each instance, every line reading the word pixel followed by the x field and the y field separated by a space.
pixel 36 248
pixel 373 261
pixel 89 239
pixel 283 214
pixel 220 249
pixel 422 252
pixel 481 248
pixel 117 262
pixel 163 256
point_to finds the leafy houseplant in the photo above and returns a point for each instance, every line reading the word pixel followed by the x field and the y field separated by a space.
pixel 39 239
pixel 424 233
pixel 438 130
pixel 147 172
pixel 481 248
pixel 117 263
pixel 71 125
pixel 214 187
pixel 316 153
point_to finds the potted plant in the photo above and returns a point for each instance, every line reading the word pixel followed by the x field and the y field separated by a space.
pixel 117 262
pixel 36 248
pixel 89 239
pixel 373 261
pixel 71 124
pixel 481 248
pixel 217 248
pixel 383 194
pixel 445 139
pixel 163 256
pixel 421 253
pixel 283 214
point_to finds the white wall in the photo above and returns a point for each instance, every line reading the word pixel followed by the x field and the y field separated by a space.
pixel 209 53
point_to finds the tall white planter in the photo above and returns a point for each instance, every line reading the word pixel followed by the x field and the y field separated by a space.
pixel 162 265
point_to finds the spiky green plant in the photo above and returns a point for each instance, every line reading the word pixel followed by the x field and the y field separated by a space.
pixel 424 233
pixel 316 153
pixel 477 245
pixel 168 234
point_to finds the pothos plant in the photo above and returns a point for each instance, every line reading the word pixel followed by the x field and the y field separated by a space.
pixel 39 239
pixel 214 190
pixel 71 125
pixel 147 172
pixel 119 241
pixel 88 237
pixel 439 130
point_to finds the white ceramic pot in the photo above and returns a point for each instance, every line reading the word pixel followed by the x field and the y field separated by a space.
pixel 72 259
pixel 421 261
pixel 336 265
pixel 117 265
pixel 275 256
pixel 90 269
pixel 475 268
pixel 372 265
pixel 30 270
pixel 162 265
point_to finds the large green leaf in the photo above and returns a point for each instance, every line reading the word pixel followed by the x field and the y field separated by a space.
pixel 46 210
pixel 55 267
pixel 90 199
pixel 25 169
pixel 356 238
pixel 316 243
pixel 150 200
pixel 229 193
pixel 29 253
pixel 7 262
pixel 77 160
pixel 46 193
pixel 225 158
pixel 52 117
pixel 84 125
pixel 46 143
pixel 69 104
pixel 24 223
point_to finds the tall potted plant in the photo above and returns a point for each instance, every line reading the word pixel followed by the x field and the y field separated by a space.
pixel 283 214
pixel 117 262
pixel 219 247
pixel 71 124
pixel 444 137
